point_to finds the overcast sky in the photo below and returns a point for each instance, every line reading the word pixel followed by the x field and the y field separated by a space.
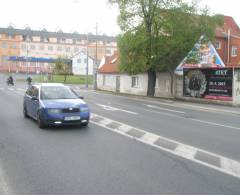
pixel 81 15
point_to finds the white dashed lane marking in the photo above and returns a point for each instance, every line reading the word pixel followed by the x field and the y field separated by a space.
pixel 160 108
pixel 211 160
pixel 110 108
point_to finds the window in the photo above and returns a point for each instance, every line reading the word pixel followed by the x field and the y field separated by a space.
pixel 135 81
pixel 108 51
pixel 4 45
pixel 218 45
pixel 234 51
pixel 14 46
pixel 85 60
pixel 24 47
pixel 11 36
pixel 79 60
pixel 76 49
pixel 67 49
pixel 45 39
pixel 50 48
pixel 59 48
pixel 41 47
pixel 32 47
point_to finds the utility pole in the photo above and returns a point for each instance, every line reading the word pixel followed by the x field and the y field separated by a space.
pixel 95 64
pixel 87 65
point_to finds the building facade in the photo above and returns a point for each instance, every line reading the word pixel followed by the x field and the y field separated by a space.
pixel 82 64
pixel 26 50
pixel 227 42
pixel 9 46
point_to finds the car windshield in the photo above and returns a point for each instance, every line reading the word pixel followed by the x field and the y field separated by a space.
pixel 57 92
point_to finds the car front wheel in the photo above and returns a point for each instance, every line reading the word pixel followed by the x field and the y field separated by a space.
pixel 40 121
pixel 85 124
pixel 25 114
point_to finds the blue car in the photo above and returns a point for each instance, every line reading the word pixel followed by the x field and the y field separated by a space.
pixel 55 104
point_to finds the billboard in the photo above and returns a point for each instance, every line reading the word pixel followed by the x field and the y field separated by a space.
pixel 203 55
pixel 208 83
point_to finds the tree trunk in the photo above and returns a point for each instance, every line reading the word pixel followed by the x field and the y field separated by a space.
pixel 151 83
pixel 65 78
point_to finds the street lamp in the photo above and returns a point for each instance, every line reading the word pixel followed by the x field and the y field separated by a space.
pixel 95 64
pixel 86 82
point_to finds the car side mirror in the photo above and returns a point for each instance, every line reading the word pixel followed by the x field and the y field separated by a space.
pixel 80 97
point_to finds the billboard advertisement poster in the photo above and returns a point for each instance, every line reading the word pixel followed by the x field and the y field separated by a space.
pixel 203 55
pixel 208 83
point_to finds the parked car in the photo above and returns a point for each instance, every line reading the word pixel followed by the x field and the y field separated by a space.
pixel 55 104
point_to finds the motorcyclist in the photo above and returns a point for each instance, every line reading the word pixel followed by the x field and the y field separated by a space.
pixel 10 80
pixel 29 80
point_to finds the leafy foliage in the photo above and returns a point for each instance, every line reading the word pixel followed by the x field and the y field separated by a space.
pixel 62 67
pixel 158 34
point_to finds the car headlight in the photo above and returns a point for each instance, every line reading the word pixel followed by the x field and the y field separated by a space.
pixel 54 111
pixel 84 109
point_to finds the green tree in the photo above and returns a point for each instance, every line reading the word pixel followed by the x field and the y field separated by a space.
pixel 62 67
pixel 157 34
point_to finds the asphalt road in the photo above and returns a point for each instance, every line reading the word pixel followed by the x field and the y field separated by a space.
pixel 94 160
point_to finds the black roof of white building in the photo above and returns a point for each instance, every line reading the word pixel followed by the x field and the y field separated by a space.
pixel 59 35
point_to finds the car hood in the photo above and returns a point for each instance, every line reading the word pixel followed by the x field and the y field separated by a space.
pixel 62 103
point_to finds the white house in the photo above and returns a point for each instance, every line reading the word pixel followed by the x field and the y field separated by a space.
pixel 109 78
pixel 80 64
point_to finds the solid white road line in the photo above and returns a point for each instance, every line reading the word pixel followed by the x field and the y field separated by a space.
pixel 219 163
pixel 166 109
pixel 199 108
pixel 195 120
pixel 214 124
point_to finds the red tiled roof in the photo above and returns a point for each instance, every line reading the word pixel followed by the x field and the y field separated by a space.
pixel 229 23
pixel 110 65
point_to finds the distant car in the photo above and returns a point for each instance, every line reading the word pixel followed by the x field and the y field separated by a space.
pixel 55 104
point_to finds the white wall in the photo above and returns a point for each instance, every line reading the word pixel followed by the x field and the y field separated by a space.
pixel 163 88
pixel 163 85
pixel 179 86
pixel 80 68
pixel 126 84
pixel 236 87
pixel 110 81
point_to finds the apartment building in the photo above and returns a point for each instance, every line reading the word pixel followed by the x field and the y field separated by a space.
pixel 26 50
pixel 9 46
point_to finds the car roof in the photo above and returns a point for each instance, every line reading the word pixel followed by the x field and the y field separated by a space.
pixel 39 85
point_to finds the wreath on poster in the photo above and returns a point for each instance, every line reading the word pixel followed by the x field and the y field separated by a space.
pixel 195 83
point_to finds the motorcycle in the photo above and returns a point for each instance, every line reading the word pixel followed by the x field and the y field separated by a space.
pixel 10 82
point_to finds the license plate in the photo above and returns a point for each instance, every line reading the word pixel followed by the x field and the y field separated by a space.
pixel 72 118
